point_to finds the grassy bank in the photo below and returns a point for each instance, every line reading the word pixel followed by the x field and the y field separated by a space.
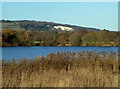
pixel 82 69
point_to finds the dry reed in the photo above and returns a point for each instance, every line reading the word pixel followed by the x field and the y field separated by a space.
pixel 63 69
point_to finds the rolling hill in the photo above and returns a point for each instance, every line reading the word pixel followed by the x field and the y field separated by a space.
pixel 42 26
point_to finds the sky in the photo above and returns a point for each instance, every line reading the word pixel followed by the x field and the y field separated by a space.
pixel 102 15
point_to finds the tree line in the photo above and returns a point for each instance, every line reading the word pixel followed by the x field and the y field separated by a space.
pixel 12 37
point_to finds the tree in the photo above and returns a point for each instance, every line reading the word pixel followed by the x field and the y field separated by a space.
pixel 9 36
pixel 63 37
pixel 90 37
pixel 75 39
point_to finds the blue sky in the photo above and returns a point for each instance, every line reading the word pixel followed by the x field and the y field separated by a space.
pixel 103 15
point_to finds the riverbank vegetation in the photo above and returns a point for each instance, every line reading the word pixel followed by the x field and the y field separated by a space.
pixel 12 37
pixel 63 69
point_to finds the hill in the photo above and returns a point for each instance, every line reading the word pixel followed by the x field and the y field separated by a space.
pixel 38 33
pixel 42 26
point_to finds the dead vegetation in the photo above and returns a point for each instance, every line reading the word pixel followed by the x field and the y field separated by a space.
pixel 63 69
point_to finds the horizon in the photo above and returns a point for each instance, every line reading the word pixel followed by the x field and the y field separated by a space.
pixel 43 11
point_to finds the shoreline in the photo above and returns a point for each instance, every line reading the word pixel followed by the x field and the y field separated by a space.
pixel 59 46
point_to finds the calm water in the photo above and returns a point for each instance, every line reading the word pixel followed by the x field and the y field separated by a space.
pixel 31 52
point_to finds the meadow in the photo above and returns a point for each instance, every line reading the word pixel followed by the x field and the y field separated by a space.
pixel 63 69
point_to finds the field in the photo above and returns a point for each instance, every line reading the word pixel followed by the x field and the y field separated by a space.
pixel 63 69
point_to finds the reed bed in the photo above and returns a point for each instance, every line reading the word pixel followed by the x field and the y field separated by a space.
pixel 63 69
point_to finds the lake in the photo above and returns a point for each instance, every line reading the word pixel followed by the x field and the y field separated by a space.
pixel 31 52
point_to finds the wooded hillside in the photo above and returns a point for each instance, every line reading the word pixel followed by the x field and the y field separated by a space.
pixel 34 33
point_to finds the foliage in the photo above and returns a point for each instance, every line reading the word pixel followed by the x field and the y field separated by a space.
pixel 102 38
pixel 75 39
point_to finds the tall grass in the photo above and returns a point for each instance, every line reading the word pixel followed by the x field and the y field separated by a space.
pixel 63 69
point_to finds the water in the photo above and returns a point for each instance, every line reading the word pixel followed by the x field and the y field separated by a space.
pixel 31 52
